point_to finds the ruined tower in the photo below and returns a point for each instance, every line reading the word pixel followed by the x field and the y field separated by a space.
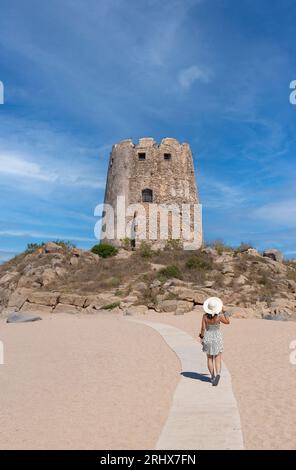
pixel 149 174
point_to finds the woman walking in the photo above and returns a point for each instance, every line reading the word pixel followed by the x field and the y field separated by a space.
pixel 211 336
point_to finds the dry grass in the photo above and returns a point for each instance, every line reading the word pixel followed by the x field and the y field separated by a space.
pixel 186 265
pixel 97 277
pixel 120 275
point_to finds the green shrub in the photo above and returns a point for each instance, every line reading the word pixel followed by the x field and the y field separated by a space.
pixel 145 250
pixel 220 246
pixel 168 272
pixel 31 247
pixel 195 262
pixel 109 282
pixel 126 243
pixel 111 306
pixel 64 243
pixel 104 250
pixel 119 293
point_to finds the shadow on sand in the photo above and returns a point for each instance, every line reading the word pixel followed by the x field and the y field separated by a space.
pixel 196 376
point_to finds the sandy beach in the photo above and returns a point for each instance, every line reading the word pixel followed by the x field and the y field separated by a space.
pixel 91 382
pixel 101 381
pixel 264 381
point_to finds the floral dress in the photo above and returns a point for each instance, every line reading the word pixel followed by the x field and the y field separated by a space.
pixel 212 343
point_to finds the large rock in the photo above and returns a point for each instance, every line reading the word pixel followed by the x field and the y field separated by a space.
pixel 175 282
pixel 140 286
pixel 130 299
pixel 182 306
pixel 155 284
pixel 52 247
pixel 253 252
pixel 74 261
pixel 29 282
pixel 73 299
pixel 241 280
pixel 272 316
pixel 44 298
pixel 228 269
pixel 61 272
pixel 57 261
pixel 115 311
pixel 228 279
pixel 48 276
pixel 21 318
pixel 209 284
pixel 6 311
pixel 241 312
pixel 76 252
pixel 123 254
pixel 226 257
pixel 36 308
pixel 210 251
pixel 8 277
pixel 161 297
pixel 99 300
pixel 66 308
pixel 90 257
pixel 184 293
pixel 136 310
pixel 273 254
pixel 283 306
pixel 292 285
pixel 92 300
pixel 157 267
pixel 271 266
pixel 18 298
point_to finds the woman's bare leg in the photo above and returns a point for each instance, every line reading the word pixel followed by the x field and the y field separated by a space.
pixel 218 363
pixel 211 365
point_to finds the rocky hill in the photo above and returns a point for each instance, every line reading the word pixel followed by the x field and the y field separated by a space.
pixel 55 278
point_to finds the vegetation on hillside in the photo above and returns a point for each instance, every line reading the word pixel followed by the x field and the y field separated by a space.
pixel 104 250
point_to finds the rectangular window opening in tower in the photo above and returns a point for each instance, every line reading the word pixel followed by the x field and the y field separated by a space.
pixel 142 156
pixel 167 156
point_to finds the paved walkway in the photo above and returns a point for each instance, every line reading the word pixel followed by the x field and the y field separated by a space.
pixel 201 416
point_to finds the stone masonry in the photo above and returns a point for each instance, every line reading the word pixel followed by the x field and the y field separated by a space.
pixel 147 173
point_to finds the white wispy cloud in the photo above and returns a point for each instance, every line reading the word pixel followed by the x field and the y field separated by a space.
pixel 19 166
pixel 188 76
pixel 15 165
pixel 220 195
pixel 278 213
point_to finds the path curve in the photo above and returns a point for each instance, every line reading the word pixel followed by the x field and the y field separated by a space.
pixel 201 416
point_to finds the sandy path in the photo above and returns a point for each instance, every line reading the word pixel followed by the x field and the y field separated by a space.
pixel 192 423
pixel 264 381
pixel 91 382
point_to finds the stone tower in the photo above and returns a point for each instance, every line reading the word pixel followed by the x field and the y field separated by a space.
pixel 149 174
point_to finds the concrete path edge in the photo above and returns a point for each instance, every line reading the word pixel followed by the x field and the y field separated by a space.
pixel 201 416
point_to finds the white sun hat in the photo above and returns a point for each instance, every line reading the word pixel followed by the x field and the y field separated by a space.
pixel 213 305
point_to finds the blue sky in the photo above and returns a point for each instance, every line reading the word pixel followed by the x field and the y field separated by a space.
pixel 80 75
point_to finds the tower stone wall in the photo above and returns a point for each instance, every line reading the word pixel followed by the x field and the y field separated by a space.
pixel 165 172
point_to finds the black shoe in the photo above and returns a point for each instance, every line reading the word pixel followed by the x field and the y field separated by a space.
pixel 212 379
pixel 216 380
